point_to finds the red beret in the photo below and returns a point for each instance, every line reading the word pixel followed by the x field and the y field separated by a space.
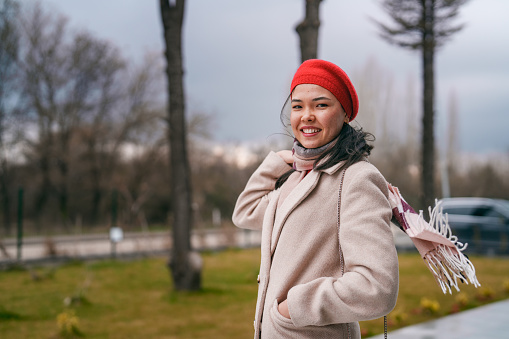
pixel 331 77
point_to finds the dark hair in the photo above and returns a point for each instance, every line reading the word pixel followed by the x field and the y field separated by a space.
pixel 351 146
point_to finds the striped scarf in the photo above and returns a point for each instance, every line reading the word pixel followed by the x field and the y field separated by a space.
pixel 303 161
pixel 304 158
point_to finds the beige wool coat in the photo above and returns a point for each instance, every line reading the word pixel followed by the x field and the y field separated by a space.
pixel 329 284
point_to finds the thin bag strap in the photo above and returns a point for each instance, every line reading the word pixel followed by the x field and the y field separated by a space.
pixel 385 326
pixel 341 259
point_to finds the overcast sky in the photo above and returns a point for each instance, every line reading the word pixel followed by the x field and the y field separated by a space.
pixel 240 57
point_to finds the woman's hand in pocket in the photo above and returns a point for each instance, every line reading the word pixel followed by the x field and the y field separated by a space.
pixel 283 309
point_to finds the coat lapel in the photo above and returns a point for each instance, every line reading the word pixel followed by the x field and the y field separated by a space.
pixel 298 194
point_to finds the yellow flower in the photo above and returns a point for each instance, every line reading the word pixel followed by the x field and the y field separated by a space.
pixel 68 323
pixel 506 286
pixel 429 305
pixel 398 316
pixel 462 299
pixel 485 293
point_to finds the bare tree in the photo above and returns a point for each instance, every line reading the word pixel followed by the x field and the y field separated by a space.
pixel 35 28
pixel 125 113
pixel 9 45
pixel 88 109
pixel 86 104
pixel 184 264
pixel 67 79
pixel 423 25
pixel 308 30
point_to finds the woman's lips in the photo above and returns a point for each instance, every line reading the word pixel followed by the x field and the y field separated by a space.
pixel 309 131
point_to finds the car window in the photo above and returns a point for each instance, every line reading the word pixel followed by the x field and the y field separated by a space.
pixel 461 210
pixel 505 207
pixel 479 210
pixel 482 211
pixel 493 213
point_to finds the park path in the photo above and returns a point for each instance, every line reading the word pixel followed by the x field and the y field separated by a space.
pixel 41 249
pixel 490 321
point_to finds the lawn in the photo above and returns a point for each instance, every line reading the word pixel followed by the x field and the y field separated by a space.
pixel 121 299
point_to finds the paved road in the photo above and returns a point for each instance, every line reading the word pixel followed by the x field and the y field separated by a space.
pixel 490 322
pixel 38 249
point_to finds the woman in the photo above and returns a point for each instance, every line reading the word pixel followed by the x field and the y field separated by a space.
pixel 328 258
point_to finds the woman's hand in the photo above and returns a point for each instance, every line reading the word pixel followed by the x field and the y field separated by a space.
pixel 283 309
pixel 286 155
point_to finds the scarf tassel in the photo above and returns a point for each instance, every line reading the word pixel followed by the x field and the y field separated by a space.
pixel 447 263
pixel 440 249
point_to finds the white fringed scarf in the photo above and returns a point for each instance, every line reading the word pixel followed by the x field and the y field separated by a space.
pixel 440 249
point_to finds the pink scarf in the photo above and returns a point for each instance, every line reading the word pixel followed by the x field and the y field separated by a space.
pixel 304 160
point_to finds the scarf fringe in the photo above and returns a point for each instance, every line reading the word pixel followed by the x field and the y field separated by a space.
pixel 448 264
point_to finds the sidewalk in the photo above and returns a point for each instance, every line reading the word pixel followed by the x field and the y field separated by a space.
pixel 133 244
pixel 490 321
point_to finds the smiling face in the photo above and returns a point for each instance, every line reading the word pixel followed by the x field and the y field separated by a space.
pixel 317 116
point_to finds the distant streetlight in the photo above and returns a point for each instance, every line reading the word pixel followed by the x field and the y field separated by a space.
pixel 116 236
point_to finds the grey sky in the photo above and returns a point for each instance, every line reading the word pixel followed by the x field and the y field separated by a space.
pixel 240 57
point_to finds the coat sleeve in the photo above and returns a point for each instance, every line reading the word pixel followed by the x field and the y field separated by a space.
pixel 369 286
pixel 252 202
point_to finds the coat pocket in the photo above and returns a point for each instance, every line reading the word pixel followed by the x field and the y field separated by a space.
pixel 278 317
pixel 281 327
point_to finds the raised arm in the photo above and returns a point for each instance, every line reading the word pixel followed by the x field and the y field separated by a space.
pixel 252 202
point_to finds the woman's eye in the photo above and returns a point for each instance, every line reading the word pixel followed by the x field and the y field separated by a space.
pixel 297 107
pixel 322 105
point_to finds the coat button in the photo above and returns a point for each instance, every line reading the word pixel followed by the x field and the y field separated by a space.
pixel 258 279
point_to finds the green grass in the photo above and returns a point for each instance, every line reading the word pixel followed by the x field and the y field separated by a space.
pixel 118 299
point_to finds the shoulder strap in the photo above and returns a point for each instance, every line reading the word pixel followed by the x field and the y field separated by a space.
pixel 342 262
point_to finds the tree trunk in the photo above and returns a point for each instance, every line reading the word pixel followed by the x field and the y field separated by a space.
pixel 185 265
pixel 63 167
pixel 6 201
pixel 45 188
pixel 428 139
pixel 4 173
pixel 96 202
pixel 308 31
